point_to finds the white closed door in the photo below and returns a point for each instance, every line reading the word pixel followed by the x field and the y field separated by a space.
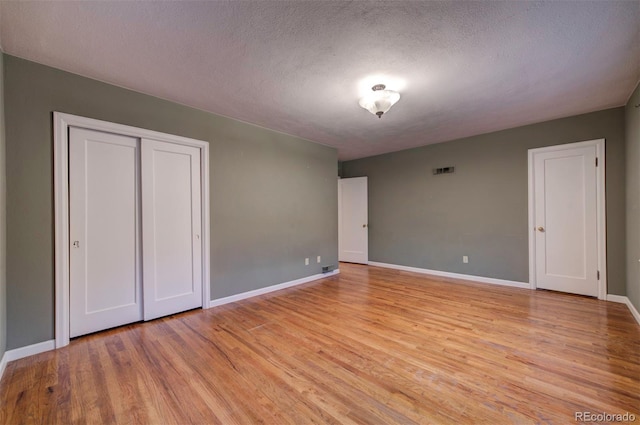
pixel 104 231
pixel 353 227
pixel 171 222
pixel 565 219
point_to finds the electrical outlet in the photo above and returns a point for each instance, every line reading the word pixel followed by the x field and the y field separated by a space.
pixel 465 259
pixel 306 261
pixel 319 259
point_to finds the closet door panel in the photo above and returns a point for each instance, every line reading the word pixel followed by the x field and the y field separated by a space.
pixel 104 225
pixel 171 220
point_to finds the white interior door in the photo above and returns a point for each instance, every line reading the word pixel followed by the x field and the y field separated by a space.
pixel 353 227
pixel 171 221
pixel 104 229
pixel 565 219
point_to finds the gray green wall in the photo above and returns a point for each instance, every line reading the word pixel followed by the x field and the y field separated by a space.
pixel 3 206
pixel 273 196
pixel 421 220
pixel 632 134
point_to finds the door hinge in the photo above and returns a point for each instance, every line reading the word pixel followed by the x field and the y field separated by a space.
pixel 596 161
pixel 598 274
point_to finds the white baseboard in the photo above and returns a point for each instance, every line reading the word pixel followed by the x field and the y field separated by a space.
pixel 29 350
pixel 277 287
pixel 472 278
pixel 3 364
pixel 617 298
pixel 625 300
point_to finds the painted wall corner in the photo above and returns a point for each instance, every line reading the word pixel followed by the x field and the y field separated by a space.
pixel 632 154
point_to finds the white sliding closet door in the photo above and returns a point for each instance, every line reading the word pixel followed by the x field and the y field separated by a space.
pixel 104 231
pixel 171 221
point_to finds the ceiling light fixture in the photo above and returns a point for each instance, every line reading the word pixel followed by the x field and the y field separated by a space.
pixel 380 101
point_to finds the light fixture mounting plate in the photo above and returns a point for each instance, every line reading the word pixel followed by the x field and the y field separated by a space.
pixel 378 87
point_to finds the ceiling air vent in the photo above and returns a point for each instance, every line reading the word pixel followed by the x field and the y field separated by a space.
pixel 444 170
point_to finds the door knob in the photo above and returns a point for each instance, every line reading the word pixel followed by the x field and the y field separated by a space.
pixel 364 225
pixel 540 229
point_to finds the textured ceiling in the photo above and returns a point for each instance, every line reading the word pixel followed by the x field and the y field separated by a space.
pixel 463 68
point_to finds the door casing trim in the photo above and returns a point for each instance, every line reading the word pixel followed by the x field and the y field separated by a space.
pixel 601 209
pixel 61 124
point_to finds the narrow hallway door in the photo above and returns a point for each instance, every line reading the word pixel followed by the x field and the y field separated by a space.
pixel 353 226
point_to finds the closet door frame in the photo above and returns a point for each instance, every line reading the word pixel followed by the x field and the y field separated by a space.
pixel 61 124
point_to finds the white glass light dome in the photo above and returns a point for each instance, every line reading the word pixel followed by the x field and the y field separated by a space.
pixel 379 101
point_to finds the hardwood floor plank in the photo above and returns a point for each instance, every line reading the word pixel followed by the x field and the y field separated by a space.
pixel 368 346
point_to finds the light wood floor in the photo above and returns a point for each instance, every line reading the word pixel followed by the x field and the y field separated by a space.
pixel 370 346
